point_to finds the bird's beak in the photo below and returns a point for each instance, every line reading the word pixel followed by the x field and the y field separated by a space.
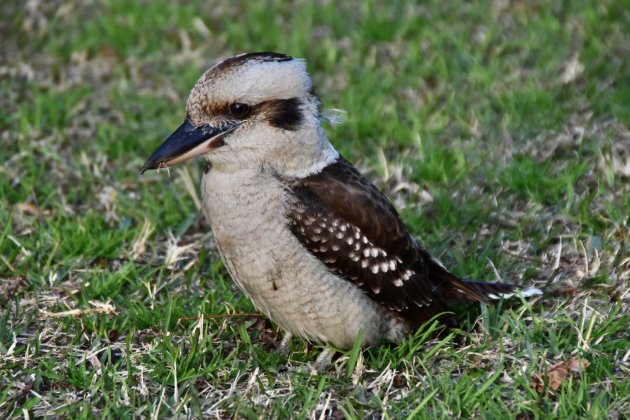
pixel 187 142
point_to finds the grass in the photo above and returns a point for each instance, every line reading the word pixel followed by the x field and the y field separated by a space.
pixel 499 129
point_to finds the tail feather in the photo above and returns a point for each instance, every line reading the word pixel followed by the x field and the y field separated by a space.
pixel 451 289
pixel 459 290
pixel 502 291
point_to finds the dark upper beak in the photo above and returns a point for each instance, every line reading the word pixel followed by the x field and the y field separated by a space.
pixel 186 142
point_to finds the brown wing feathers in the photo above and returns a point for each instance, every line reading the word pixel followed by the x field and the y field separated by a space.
pixel 346 250
pixel 346 222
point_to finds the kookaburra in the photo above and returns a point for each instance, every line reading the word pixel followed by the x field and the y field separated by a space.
pixel 315 246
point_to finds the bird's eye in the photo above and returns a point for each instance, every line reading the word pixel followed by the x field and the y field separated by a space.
pixel 239 110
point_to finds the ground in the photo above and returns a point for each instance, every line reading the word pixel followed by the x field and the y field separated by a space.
pixel 499 128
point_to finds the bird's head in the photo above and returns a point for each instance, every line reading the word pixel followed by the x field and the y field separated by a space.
pixel 250 110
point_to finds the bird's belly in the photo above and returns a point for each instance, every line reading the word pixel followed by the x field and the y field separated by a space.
pixel 280 276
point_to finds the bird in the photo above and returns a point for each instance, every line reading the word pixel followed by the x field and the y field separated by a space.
pixel 307 238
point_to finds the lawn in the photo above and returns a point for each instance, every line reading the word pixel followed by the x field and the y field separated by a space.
pixel 500 129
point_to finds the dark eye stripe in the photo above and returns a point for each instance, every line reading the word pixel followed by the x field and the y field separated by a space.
pixel 285 113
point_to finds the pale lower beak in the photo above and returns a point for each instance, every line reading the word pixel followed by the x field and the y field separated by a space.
pixel 187 142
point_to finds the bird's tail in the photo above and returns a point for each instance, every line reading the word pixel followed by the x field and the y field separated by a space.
pixel 501 290
pixel 454 290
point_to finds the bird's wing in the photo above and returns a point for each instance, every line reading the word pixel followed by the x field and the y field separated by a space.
pixel 347 223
